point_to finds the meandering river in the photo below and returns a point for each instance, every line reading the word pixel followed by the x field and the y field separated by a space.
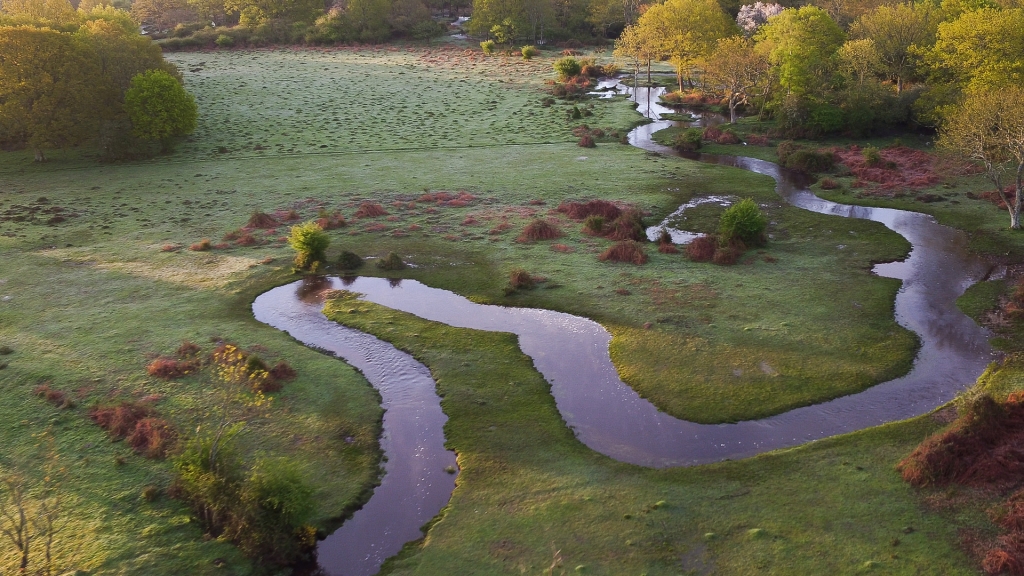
pixel 604 413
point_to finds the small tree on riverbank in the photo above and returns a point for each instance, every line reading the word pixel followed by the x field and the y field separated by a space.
pixel 987 127
pixel 310 243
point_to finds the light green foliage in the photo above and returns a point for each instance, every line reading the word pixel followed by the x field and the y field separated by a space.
pixel 528 52
pixel 802 43
pixel 224 41
pixel 567 67
pixel 744 221
pixel 686 30
pixel 253 13
pixel 858 59
pixel 505 32
pixel 310 243
pixel 983 48
pixel 898 32
pixel 487 46
pixel 159 107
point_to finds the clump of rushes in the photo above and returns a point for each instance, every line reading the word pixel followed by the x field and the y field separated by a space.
pixel 539 230
pixel 261 220
pixel 201 246
pixel 627 251
pixel 520 279
pixel 702 248
pixel 665 245
pixel 370 210
pixel 628 226
pixel 310 243
pixel 391 262
pixel 349 260
pixel 593 225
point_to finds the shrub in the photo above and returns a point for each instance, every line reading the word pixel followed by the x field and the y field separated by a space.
pixel 310 243
pixel 667 248
pixel 628 251
pixel 349 260
pixel 796 157
pixel 583 210
pixel 224 41
pixel 688 140
pixel 487 46
pixel 728 137
pixel 261 220
pixel 594 225
pixel 628 226
pixel 586 141
pixel 152 437
pixel 119 421
pixel 539 230
pixel 332 221
pixel 702 248
pixel 743 221
pixel 391 262
pixel 664 236
pixel 56 397
pixel 520 279
pixel 283 371
pixel 725 256
pixel 169 368
pixel 567 67
pixel 591 70
pixel 872 157
pixel 829 184
pixel 370 210
pixel 528 52
pixel 188 349
pixel 201 246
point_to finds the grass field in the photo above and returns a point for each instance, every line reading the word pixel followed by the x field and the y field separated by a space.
pixel 86 302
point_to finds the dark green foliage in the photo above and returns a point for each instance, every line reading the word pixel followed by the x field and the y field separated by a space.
pixel 224 41
pixel 689 141
pixel 349 260
pixel 567 67
pixel 796 157
pixel 743 221
pixel 391 262
pixel 159 107
pixel 310 243
pixel 594 224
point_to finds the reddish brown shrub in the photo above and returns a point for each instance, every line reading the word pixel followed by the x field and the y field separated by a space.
pixel 283 371
pixel 628 226
pixel 247 240
pixel 152 437
pixel 170 248
pixel 261 220
pixel 376 227
pixel 726 256
pixel 758 140
pixel 370 210
pixel 56 397
pixel 829 184
pixel 536 202
pixel 520 279
pixel 728 137
pixel 711 133
pixel 561 248
pixel 580 210
pixel 201 246
pixel 668 248
pixel 119 421
pixel 586 141
pixel 233 235
pixel 332 221
pixel 702 248
pixel 470 221
pixel 627 251
pixel 169 368
pixel 539 230
pixel 188 349
pixel 900 168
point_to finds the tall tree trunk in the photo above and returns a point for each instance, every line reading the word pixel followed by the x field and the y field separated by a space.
pixel 732 110
pixel 1017 200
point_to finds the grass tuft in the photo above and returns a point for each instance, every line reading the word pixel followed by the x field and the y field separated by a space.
pixel 539 230
pixel 627 251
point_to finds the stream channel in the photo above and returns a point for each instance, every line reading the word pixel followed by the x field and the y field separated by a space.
pixel 572 354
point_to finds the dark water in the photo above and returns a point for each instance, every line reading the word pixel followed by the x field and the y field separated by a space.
pixel 604 413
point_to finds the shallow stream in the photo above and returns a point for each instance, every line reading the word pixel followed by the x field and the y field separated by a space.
pixel 604 413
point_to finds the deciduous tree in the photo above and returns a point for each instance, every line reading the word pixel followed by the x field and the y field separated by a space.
pixel 159 107
pixel 686 30
pixel 737 70
pixel 897 31
pixel 802 43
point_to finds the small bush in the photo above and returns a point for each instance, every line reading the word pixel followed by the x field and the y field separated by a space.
pixel 702 248
pixel 370 210
pixel 586 141
pixel 188 349
pixel 796 157
pixel 829 184
pixel 743 221
pixel 150 493
pixel 628 251
pixel 262 220
pixel 224 41
pixel 593 225
pixel 664 236
pixel 872 157
pixel 152 437
pixel 310 243
pixel 201 246
pixel 667 248
pixel 349 260
pixel 391 262
pixel 725 256
pixel 567 67
pixel 487 46
pixel 539 230
pixel 332 221
pixel 520 279
pixel 119 421
pixel 170 369
pixel 628 226
pixel 528 52
pixel 561 248
pixel 583 210
pixel 728 137
pixel 56 397
pixel 688 140
pixel 283 371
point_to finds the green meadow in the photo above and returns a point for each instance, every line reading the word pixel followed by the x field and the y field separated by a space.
pixel 88 299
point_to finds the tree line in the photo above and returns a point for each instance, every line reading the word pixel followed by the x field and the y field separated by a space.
pixel 69 76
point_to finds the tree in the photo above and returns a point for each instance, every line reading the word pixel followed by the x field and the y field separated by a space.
pixel 897 31
pixel 54 13
pixel 753 16
pixel 638 46
pixel 983 48
pixel 859 59
pixel 802 43
pixel 310 243
pixel 686 30
pixel 988 127
pixel 736 69
pixel 159 107
pixel 50 88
